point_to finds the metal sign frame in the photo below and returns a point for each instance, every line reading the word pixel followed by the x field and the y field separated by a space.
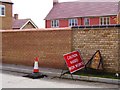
pixel 89 63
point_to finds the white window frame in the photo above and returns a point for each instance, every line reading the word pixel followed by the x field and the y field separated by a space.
pixel 2 6
pixel 86 21
pixel 73 22
pixel 104 21
pixel 54 23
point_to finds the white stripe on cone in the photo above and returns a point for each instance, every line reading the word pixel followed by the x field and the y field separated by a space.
pixel 36 68
pixel 36 65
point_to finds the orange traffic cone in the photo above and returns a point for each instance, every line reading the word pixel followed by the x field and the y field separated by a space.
pixel 36 74
pixel 36 68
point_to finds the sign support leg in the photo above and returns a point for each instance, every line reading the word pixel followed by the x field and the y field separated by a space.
pixel 71 75
pixel 63 73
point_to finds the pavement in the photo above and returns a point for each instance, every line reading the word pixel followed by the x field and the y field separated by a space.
pixel 55 73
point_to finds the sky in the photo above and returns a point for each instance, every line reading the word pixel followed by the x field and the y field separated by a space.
pixel 38 9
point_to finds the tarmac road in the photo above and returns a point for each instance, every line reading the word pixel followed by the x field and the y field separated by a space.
pixel 15 80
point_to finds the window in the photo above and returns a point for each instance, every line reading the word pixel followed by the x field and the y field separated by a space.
pixel 86 21
pixel 2 10
pixel 55 23
pixel 104 21
pixel 73 22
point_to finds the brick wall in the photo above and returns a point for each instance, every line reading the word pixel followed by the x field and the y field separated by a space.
pixel 21 47
pixel 88 41
pixel 6 21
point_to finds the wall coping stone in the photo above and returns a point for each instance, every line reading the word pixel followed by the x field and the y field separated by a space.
pixel 97 26
pixel 40 29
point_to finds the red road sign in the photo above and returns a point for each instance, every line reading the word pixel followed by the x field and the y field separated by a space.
pixel 74 61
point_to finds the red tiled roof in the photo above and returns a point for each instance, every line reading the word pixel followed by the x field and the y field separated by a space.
pixel 21 23
pixel 82 9
pixel 18 23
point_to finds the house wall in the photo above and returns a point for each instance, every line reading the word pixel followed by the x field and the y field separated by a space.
pixel 28 26
pixel 48 23
pixel 7 19
pixel 80 21
pixel 93 21
pixel 118 18
pixel 21 47
pixel 0 19
pixel 113 20
pixel 63 23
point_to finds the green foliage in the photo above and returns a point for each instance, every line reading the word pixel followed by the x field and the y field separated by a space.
pixel 96 73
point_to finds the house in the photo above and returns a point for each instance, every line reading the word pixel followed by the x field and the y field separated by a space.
pixel 23 23
pixel 5 14
pixel 68 14
pixel 7 21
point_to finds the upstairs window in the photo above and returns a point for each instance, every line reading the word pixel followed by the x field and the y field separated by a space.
pixel 86 21
pixel 55 23
pixel 73 22
pixel 2 10
pixel 104 20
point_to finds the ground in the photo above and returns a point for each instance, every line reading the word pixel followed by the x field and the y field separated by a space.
pixel 15 80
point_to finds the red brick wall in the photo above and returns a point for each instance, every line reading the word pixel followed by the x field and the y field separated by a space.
pixel 80 21
pixel 48 23
pixel 21 47
pixel 113 19
pixel 93 21
pixel 63 23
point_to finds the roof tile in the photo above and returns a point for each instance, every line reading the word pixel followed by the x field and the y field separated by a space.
pixel 82 9
pixel 19 23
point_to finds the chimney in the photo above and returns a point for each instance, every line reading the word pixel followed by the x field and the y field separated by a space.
pixel 55 2
pixel 15 16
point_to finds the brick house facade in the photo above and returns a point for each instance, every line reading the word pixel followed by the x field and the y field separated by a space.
pixel 6 14
pixel 77 13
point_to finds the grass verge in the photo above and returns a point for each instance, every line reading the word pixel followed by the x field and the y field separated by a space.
pixel 96 73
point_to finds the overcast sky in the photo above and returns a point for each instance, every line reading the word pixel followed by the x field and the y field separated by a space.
pixel 37 9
